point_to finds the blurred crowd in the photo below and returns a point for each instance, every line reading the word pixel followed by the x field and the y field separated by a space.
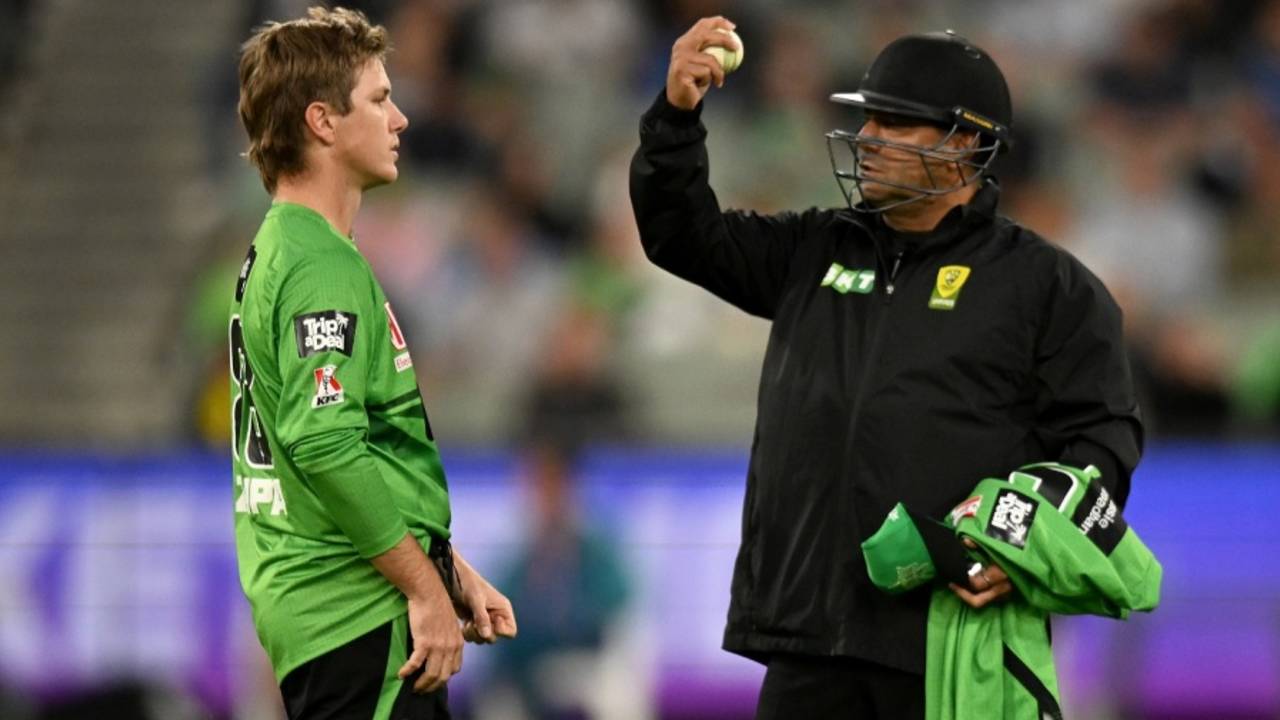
pixel 1147 143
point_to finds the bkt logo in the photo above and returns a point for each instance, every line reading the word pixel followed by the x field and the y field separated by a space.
pixel 324 331
pixel 849 280
pixel 255 493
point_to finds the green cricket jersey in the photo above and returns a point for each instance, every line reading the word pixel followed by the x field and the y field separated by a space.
pixel 334 458
pixel 1067 549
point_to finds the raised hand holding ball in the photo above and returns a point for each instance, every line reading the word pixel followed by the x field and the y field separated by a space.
pixel 729 58
pixel 700 58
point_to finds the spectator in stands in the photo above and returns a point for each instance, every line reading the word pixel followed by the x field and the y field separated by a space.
pixel 570 581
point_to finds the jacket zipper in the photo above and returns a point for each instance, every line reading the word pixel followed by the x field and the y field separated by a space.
pixel 868 368
pixel 873 353
pixel 893 274
pixel 847 495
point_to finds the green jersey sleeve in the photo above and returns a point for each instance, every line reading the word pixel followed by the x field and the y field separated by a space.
pixel 324 351
pixel 1063 541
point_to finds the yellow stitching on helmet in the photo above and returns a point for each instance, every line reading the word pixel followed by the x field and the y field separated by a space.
pixel 978 120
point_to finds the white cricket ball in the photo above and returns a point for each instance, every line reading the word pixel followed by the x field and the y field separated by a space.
pixel 730 60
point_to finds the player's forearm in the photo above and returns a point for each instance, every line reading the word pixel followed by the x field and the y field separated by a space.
pixel 346 480
pixel 465 570
pixel 407 567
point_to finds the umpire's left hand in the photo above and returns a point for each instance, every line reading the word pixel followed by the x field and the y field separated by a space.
pixel 985 586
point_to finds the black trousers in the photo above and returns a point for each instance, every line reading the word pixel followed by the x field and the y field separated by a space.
pixel 356 680
pixel 818 688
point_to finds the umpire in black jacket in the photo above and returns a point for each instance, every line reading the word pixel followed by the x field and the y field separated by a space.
pixel 920 342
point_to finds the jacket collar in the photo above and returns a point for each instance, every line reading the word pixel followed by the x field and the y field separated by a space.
pixel 960 221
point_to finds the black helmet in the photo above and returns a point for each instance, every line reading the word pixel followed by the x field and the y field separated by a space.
pixel 940 78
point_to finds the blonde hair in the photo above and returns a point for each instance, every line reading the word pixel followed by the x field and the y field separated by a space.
pixel 287 66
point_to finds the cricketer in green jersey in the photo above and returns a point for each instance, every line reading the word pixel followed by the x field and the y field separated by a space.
pixel 341 501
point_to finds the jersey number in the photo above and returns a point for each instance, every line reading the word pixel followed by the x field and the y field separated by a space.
pixel 247 439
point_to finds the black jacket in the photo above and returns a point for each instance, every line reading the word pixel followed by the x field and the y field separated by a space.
pixel 867 398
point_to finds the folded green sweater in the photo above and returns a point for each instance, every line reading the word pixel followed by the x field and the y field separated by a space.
pixel 1061 539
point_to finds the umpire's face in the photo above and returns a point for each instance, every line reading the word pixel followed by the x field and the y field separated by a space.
pixel 906 155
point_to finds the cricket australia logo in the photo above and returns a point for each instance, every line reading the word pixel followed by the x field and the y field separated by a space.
pixel 324 331
pixel 1011 518
pixel 947 290
pixel 328 389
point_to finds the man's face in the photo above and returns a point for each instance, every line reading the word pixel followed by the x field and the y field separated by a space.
pixel 901 166
pixel 367 138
